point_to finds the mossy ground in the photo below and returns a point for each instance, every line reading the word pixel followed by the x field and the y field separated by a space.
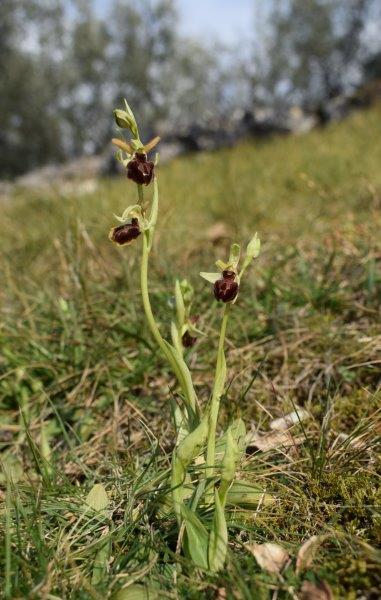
pixel 85 395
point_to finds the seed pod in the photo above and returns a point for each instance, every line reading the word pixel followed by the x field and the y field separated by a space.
pixel 126 233
pixel 226 289
pixel 140 170
pixel 188 340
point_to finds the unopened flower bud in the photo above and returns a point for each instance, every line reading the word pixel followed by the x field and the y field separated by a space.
pixel 124 120
pixel 188 340
pixel 226 289
pixel 140 170
pixel 126 233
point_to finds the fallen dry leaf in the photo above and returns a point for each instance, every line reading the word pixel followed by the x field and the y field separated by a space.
pixel 270 557
pixel 307 552
pixel 273 439
pixel 312 591
pixel 355 442
pixel 292 418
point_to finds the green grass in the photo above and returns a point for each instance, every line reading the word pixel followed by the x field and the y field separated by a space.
pixel 85 395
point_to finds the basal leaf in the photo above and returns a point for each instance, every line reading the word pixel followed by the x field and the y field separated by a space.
pixel 97 498
pixel 197 538
pixel 137 592
pixel 247 494
pixel 218 541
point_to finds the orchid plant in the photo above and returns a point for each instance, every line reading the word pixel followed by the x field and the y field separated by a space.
pixel 203 478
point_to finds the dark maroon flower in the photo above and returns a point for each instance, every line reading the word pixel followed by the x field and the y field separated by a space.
pixel 188 340
pixel 140 170
pixel 124 234
pixel 226 288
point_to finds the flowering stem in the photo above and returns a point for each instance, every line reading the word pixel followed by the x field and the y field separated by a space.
pixel 177 363
pixel 219 384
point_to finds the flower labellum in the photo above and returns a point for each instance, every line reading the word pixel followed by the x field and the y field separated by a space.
pixel 126 233
pixel 188 340
pixel 226 289
pixel 140 170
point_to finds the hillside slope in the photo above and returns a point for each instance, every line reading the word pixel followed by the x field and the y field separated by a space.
pixel 77 360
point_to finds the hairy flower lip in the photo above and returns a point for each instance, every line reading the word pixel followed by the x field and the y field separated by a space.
pixel 188 340
pixel 126 233
pixel 140 170
pixel 226 289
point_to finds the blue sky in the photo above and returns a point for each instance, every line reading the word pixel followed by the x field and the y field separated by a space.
pixel 224 20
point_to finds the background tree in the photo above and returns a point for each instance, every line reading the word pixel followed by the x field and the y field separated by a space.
pixel 30 130
pixel 311 50
pixel 65 63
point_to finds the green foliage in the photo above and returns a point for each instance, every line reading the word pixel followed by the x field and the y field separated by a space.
pixel 78 357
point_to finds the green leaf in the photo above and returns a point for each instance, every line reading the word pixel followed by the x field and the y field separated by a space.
pixel 197 538
pixel 187 292
pixel 191 446
pixel 211 277
pixel 187 450
pixel 238 431
pixel 45 445
pixel 11 468
pixel 183 368
pixel 218 541
pixel 97 498
pixel 180 306
pixel 137 592
pixel 176 339
pixel 229 465
pixel 100 564
pixel 247 494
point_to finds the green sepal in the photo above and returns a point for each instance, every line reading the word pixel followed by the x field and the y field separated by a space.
pixel 211 277
pixel 235 252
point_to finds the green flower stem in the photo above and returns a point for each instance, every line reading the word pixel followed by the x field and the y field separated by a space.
pixel 177 363
pixel 148 310
pixel 219 384
pixel 140 194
